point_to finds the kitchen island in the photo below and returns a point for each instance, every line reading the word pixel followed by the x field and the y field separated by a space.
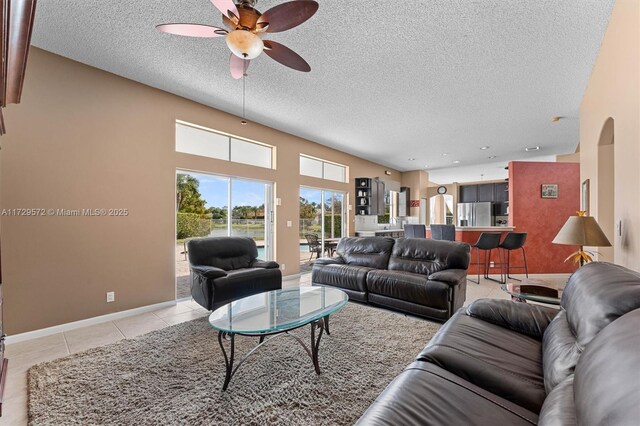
pixel 393 233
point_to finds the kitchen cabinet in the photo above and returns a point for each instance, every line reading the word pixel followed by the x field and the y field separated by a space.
pixel 496 193
pixel 485 193
pixel 501 192
pixel 404 202
pixel 468 194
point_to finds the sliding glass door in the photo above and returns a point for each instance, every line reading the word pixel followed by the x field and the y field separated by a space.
pixel 322 222
pixel 217 206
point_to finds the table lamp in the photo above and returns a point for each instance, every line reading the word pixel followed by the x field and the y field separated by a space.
pixel 581 230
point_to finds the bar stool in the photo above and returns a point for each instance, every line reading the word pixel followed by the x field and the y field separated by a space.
pixel 487 242
pixel 514 241
pixel 443 232
pixel 415 231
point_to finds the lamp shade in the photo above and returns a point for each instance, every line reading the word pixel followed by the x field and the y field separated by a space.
pixel 582 231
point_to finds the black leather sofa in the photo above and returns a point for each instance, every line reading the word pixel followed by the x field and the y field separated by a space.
pixel 418 276
pixel 224 269
pixel 500 362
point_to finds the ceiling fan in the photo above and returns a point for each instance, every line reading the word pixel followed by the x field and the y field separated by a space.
pixel 246 28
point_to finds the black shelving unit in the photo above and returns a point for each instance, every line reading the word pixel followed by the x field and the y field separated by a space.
pixel 364 196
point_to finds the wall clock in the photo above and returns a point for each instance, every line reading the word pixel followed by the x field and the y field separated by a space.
pixel 442 190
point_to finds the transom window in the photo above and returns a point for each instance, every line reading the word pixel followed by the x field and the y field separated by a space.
pixel 197 140
pixel 316 167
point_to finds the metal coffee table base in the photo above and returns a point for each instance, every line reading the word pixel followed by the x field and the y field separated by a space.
pixel 321 325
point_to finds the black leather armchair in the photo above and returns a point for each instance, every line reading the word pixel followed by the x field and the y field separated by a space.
pixel 224 269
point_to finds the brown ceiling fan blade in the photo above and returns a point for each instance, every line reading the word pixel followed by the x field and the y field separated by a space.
pixel 288 15
pixel 285 56
pixel 238 66
pixel 226 6
pixel 192 30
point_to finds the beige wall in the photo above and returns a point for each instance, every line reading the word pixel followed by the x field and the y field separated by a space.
pixel 614 91
pixel 84 138
pixel 568 158
pixel 418 181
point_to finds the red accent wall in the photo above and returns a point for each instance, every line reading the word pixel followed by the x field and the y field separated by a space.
pixel 542 218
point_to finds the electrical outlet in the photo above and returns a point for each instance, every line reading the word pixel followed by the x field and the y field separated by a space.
pixel 289 224
pixel 492 264
pixel 111 296
pixel 282 266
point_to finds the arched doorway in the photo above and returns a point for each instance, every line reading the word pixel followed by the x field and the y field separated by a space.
pixel 441 209
pixel 606 186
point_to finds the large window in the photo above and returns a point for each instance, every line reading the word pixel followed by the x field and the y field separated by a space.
pixel 196 140
pixel 315 167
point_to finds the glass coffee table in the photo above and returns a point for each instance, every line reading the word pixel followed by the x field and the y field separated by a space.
pixel 275 313
pixel 533 291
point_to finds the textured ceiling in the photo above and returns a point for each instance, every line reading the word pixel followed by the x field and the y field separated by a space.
pixel 390 80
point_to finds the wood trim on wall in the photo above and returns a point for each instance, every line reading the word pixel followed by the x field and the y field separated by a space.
pixel 21 17
pixel 16 27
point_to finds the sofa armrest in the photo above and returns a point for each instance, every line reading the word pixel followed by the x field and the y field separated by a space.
pixel 449 276
pixel 329 261
pixel 208 271
pixel 266 264
pixel 524 318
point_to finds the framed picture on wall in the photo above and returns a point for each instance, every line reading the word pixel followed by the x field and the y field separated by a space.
pixel 549 190
pixel 584 206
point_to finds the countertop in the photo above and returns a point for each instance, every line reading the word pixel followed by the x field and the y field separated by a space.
pixel 379 231
pixel 372 233
pixel 485 228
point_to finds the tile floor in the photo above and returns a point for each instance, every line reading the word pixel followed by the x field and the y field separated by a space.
pixel 25 354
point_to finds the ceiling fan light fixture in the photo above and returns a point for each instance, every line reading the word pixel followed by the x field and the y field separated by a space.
pixel 244 44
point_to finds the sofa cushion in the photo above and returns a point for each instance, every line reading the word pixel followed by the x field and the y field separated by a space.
pixel 245 282
pixel 351 277
pixel 607 380
pixel 426 256
pixel 596 294
pixel 372 252
pixel 495 358
pixel 226 253
pixel 560 351
pixel 424 394
pixel 415 288
pixel 524 318
pixel 559 408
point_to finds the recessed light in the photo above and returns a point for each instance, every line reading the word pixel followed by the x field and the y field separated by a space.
pixel 484 147
pixel 412 159
pixel 426 166
pixel 445 154
pixel 456 162
pixel 492 157
pixel 532 148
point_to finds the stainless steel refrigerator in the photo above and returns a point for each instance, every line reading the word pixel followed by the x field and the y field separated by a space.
pixel 475 214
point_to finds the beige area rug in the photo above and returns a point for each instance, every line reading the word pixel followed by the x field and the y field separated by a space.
pixel 174 376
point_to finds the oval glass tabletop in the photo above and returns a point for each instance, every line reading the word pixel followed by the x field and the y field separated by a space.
pixel 534 293
pixel 277 310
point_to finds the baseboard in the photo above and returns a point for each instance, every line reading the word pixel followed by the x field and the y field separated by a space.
pixel 86 322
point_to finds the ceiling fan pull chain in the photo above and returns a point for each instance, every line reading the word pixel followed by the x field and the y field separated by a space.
pixel 244 76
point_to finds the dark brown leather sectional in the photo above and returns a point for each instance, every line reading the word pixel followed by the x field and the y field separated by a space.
pixel 419 276
pixel 500 362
